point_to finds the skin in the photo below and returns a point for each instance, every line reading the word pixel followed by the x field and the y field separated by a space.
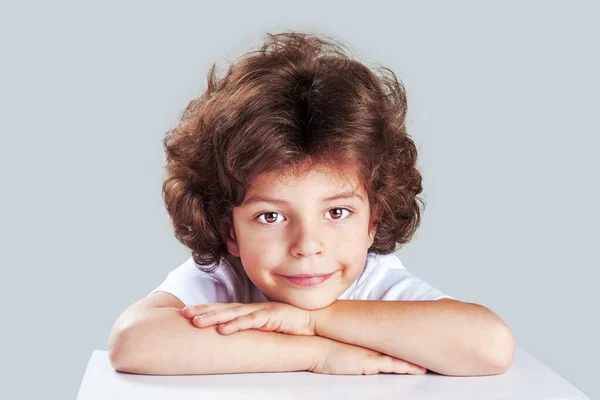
pixel 303 234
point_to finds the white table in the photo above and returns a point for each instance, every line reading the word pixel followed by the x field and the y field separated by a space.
pixel 527 379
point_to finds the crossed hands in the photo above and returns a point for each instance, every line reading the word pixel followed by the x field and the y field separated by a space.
pixel 337 358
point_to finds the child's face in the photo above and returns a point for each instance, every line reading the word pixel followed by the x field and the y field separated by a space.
pixel 298 232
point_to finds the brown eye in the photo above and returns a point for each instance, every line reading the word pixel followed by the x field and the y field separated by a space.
pixel 336 215
pixel 339 214
pixel 270 217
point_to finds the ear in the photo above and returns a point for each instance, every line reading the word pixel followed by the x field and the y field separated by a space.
pixel 372 233
pixel 230 238
pixel 373 225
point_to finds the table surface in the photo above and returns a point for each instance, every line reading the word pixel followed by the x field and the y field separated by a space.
pixel 527 379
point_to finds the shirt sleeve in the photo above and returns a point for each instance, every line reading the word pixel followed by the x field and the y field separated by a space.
pixel 192 286
pixel 388 279
pixel 399 284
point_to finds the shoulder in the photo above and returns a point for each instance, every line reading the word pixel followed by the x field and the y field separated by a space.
pixel 192 285
pixel 386 278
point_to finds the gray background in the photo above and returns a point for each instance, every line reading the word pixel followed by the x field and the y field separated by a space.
pixel 503 105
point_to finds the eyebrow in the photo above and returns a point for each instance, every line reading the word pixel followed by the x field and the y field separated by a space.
pixel 265 199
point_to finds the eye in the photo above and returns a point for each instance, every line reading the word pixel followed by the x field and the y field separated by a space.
pixel 340 213
pixel 270 219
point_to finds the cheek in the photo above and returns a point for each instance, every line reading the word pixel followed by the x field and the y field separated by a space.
pixel 352 241
pixel 258 255
pixel 353 266
pixel 257 245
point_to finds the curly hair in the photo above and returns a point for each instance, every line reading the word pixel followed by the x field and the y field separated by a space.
pixel 298 97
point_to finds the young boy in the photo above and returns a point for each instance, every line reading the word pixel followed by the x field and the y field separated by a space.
pixel 292 179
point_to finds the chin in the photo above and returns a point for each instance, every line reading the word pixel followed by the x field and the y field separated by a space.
pixel 309 303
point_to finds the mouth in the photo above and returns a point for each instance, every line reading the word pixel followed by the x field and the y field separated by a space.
pixel 307 279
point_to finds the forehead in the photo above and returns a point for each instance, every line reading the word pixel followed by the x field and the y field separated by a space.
pixel 346 176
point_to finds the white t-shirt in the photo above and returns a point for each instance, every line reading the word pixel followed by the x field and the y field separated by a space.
pixel 384 278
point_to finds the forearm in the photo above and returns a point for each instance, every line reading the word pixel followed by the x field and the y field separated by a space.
pixel 447 337
pixel 163 342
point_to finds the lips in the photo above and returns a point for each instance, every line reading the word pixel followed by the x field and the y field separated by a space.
pixel 307 279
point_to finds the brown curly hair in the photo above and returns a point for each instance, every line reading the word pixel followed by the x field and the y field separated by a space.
pixel 298 97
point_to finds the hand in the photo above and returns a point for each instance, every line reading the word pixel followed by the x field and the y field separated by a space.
pixel 345 359
pixel 268 316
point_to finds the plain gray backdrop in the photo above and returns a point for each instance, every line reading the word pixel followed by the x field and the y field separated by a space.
pixel 503 106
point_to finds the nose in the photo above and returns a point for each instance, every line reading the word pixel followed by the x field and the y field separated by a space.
pixel 307 241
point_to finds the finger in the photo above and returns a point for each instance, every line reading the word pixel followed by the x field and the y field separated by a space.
pixel 222 315
pixel 398 366
pixel 199 309
pixel 255 320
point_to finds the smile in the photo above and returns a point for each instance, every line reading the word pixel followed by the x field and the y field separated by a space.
pixel 308 280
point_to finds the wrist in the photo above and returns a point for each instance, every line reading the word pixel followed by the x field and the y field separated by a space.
pixel 316 351
pixel 319 319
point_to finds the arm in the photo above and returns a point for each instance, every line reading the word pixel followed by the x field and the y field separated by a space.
pixel 446 336
pixel 156 339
